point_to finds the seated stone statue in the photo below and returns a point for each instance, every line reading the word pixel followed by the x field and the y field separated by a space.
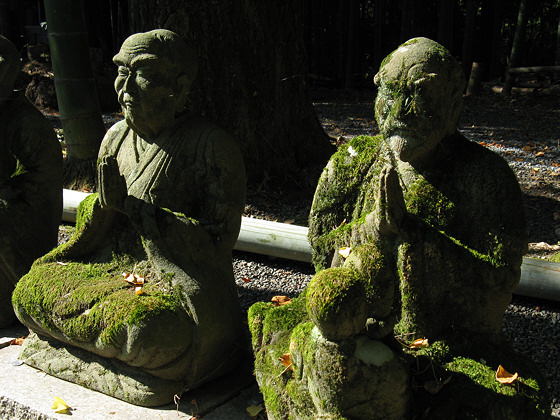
pixel 171 190
pixel 418 237
pixel 30 182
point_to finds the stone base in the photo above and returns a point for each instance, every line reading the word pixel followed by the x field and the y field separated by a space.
pixel 26 393
pixel 108 376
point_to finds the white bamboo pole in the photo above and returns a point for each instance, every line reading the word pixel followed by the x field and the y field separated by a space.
pixel 539 278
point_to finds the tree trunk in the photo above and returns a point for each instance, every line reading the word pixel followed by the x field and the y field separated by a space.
pixel 252 79
pixel 351 47
pixel 466 60
pixel 557 52
pixel 515 48
pixel 75 89
pixel 407 19
pixel 445 23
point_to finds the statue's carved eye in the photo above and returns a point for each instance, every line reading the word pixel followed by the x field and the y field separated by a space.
pixel 123 71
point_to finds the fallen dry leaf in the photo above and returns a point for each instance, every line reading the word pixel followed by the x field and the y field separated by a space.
pixel 345 251
pixel 60 407
pixel 504 377
pixel 420 343
pixel 17 341
pixel 281 300
pixel 254 410
pixel 286 361
pixel 133 279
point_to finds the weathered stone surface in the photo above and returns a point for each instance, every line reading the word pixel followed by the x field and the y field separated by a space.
pixel 30 182
pixel 436 232
pixel 171 192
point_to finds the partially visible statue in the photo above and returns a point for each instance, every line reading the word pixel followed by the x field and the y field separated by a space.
pixel 418 237
pixel 171 190
pixel 30 182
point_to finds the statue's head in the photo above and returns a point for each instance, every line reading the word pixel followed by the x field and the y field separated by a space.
pixel 155 72
pixel 10 63
pixel 420 98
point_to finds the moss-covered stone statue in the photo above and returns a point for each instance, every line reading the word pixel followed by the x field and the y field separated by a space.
pixel 171 190
pixel 30 182
pixel 418 236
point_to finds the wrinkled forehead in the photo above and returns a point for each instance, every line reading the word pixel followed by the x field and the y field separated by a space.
pixel 140 48
pixel 410 65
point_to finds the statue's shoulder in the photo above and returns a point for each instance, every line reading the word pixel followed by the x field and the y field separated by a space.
pixel 117 129
pixel 210 138
pixel 352 161
pixel 474 158
pixel 113 137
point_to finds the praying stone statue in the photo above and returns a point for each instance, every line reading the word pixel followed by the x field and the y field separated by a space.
pixel 141 303
pixel 418 237
pixel 30 182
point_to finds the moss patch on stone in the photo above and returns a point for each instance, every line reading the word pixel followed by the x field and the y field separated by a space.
pixel 332 216
pixel 88 302
pixel 476 385
pixel 271 328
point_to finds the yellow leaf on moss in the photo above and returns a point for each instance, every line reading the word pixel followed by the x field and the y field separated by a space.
pixel 420 343
pixel 345 251
pixel 133 279
pixel 504 377
pixel 60 407
pixel 281 300
pixel 286 361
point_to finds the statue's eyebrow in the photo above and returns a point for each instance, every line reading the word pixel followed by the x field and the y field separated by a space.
pixel 143 60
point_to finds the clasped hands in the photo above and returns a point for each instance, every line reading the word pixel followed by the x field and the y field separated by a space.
pixel 387 218
pixel 111 184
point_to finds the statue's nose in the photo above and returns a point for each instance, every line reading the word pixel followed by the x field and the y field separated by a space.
pixel 129 84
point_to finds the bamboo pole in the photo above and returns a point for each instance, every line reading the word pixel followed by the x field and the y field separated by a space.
pixel 539 278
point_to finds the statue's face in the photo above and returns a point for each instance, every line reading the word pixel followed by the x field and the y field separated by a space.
pixel 415 107
pixel 147 89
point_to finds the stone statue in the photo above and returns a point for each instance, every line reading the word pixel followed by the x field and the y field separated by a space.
pixel 30 182
pixel 418 237
pixel 171 191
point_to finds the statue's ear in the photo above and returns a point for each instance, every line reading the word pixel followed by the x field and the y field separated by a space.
pixel 183 88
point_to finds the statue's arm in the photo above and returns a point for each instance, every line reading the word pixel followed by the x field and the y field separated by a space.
pixel 337 195
pixel 491 239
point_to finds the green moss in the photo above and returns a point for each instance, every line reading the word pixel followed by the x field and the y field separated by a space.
pixel 331 290
pixel 20 169
pixel 270 329
pixel 479 384
pixel 88 302
pixel 424 200
pixel 345 181
pixel 555 258
pixel 85 210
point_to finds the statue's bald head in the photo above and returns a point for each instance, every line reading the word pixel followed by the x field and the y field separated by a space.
pixel 420 97
pixel 161 44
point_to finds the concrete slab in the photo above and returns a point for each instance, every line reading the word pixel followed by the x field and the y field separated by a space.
pixel 27 393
